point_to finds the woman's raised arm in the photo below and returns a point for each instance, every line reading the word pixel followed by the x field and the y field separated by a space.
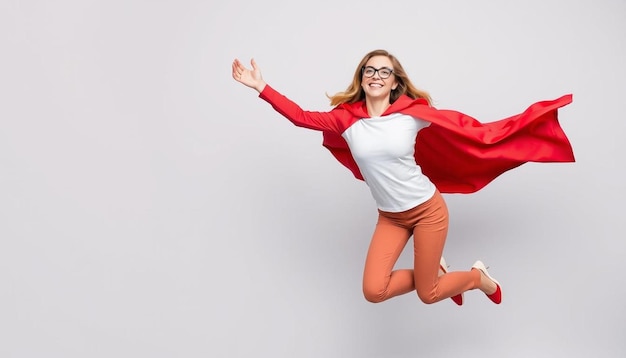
pixel 322 121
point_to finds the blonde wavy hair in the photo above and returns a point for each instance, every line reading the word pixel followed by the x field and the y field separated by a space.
pixel 355 93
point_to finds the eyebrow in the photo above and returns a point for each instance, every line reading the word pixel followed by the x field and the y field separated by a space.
pixel 380 68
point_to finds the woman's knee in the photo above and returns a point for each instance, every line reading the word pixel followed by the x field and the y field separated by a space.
pixel 427 296
pixel 374 294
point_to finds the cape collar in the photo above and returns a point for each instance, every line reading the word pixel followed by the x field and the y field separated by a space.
pixel 359 109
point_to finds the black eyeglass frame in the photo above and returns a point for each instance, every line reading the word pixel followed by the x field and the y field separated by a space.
pixel 375 71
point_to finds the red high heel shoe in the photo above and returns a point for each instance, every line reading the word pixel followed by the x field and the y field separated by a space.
pixel 495 297
pixel 458 299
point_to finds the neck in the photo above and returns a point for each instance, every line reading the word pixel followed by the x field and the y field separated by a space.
pixel 375 108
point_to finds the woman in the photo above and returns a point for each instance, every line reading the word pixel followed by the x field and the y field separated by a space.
pixel 387 133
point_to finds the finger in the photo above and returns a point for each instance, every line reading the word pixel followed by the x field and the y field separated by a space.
pixel 253 63
pixel 236 64
pixel 235 72
pixel 238 69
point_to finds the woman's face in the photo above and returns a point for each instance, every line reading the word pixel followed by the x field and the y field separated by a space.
pixel 377 78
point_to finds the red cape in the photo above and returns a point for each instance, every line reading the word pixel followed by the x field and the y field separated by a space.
pixel 460 154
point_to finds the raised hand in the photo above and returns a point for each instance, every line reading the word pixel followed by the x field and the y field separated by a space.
pixel 249 77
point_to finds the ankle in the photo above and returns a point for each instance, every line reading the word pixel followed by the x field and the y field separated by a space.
pixel 486 284
pixel 477 278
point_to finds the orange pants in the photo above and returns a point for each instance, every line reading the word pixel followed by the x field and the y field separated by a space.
pixel 428 223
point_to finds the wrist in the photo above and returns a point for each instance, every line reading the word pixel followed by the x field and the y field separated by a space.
pixel 260 87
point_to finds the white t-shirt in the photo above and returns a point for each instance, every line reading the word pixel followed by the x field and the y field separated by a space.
pixel 384 148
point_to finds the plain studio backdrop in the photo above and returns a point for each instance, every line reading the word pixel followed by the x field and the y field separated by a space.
pixel 150 206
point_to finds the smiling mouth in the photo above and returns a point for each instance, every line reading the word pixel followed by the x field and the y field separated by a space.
pixel 377 85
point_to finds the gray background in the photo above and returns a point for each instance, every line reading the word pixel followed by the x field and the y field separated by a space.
pixel 150 206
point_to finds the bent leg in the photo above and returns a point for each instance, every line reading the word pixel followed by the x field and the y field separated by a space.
pixel 380 282
pixel 429 237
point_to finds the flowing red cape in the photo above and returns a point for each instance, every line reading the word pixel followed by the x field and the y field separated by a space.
pixel 460 154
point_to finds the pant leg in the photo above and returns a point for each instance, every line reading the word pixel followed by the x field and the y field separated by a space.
pixel 380 282
pixel 429 237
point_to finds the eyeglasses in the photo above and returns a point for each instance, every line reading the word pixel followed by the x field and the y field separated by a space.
pixel 383 72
